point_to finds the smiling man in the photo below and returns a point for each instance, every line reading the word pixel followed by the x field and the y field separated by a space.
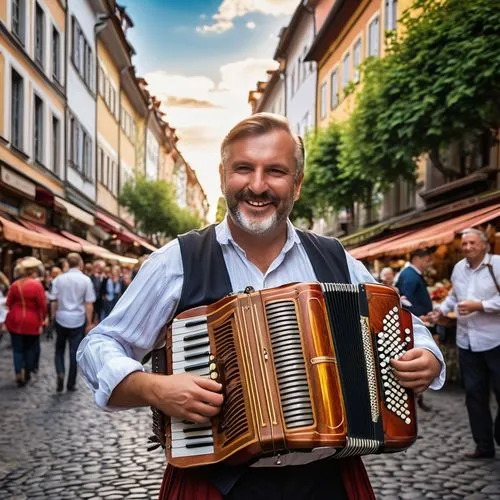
pixel 261 172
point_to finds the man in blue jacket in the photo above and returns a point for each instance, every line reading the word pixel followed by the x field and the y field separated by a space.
pixel 411 284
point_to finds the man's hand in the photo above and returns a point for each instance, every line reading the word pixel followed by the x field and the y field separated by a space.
pixel 469 306
pixel 189 397
pixel 88 327
pixel 416 369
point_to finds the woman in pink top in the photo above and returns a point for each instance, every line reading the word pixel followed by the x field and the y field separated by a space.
pixel 27 311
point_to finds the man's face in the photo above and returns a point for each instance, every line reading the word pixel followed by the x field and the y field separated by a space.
pixel 98 268
pixel 473 246
pixel 259 181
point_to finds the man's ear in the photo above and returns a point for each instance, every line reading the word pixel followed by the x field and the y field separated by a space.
pixel 221 178
pixel 298 186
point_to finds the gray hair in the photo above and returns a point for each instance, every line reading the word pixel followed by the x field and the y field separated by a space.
pixel 260 124
pixel 481 234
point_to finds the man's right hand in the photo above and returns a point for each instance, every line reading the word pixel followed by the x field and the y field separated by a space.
pixel 186 396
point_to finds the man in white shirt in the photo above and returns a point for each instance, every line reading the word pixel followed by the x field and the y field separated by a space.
pixel 72 307
pixel 475 296
pixel 261 174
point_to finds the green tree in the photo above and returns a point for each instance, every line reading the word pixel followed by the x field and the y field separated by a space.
pixel 441 82
pixel 154 208
pixel 221 209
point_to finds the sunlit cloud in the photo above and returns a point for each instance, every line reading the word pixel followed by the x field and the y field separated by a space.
pixel 203 111
pixel 232 9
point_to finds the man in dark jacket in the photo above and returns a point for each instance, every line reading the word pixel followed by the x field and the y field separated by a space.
pixel 411 284
pixel 97 277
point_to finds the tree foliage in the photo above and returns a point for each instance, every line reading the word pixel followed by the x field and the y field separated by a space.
pixel 221 209
pixel 154 208
pixel 441 80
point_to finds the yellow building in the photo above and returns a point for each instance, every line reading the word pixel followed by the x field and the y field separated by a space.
pixel 32 107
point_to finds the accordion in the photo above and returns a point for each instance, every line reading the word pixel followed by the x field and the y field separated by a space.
pixel 303 366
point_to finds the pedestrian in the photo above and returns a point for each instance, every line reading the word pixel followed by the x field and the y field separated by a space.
pixel 88 269
pixel 112 289
pixel 475 297
pixel 261 175
pixel 415 296
pixel 72 309
pixel 387 276
pixel 4 290
pixel 27 311
pixel 98 279
pixel 126 278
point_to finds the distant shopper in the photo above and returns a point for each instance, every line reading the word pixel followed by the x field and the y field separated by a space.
pixel 72 309
pixel 387 276
pixel 112 290
pixel 98 278
pixel 475 296
pixel 24 321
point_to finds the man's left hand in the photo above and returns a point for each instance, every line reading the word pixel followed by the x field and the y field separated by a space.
pixel 469 306
pixel 416 369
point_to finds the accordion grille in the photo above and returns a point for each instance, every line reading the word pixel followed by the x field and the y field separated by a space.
pixel 289 363
pixel 232 420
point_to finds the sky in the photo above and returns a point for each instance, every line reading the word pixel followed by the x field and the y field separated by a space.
pixel 201 58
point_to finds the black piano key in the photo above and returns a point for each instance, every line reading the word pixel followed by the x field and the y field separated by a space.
pixel 194 356
pixel 205 437
pixel 189 324
pixel 200 445
pixel 197 366
pixel 195 346
pixel 195 336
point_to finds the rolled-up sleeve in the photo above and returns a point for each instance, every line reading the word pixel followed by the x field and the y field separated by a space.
pixel 114 348
pixel 421 335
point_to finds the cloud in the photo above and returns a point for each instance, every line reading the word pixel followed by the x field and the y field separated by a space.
pixel 188 102
pixel 251 25
pixel 202 127
pixel 231 9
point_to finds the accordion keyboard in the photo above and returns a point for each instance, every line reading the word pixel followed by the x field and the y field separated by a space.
pixel 289 363
pixel 190 353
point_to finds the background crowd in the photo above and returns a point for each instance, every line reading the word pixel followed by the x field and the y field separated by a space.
pixel 62 301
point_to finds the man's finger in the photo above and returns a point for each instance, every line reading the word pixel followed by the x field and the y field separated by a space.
pixel 209 385
pixel 203 409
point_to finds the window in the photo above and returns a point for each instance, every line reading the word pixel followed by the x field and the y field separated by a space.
pixel 39 35
pixel 128 125
pixel 323 101
pixel 56 147
pixel 100 163
pixel 81 55
pixel 346 71
pixel 17 110
pixel 56 54
pixel 18 18
pixel 356 59
pixel 334 89
pixel 305 65
pixel 391 14
pixel 38 130
pixel 80 149
pixel 373 38
pixel 100 81
pixel 292 83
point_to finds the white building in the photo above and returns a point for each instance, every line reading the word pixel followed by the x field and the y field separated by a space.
pixel 300 76
pixel 83 18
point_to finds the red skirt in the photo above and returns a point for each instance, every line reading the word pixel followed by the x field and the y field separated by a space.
pixel 182 484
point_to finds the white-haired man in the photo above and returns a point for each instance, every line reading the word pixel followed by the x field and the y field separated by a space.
pixel 476 298
pixel 256 245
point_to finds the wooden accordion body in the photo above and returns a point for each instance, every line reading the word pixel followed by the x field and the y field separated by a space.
pixel 303 366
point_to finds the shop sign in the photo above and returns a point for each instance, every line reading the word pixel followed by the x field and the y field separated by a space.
pixel 18 182
pixel 33 212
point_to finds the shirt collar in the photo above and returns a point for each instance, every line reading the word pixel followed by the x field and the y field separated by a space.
pixel 485 261
pixel 412 266
pixel 224 237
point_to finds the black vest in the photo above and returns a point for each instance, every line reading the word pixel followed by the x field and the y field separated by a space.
pixel 206 280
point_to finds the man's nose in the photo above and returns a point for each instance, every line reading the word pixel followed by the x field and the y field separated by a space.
pixel 258 182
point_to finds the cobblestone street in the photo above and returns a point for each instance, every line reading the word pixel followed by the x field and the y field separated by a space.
pixel 61 446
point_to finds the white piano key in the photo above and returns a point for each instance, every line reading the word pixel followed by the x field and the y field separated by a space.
pixel 190 452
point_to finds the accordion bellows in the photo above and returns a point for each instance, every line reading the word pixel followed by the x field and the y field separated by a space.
pixel 303 366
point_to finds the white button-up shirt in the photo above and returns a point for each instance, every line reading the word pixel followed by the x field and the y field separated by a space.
pixel 115 347
pixel 478 331
pixel 72 290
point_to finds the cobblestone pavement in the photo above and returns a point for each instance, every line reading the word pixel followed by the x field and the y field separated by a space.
pixel 60 446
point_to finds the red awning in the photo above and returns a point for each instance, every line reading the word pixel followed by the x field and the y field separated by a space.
pixel 101 252
pixel 19 234
pixel 107 222
pixel 441 233
pixel 56 239
pixel 138 240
